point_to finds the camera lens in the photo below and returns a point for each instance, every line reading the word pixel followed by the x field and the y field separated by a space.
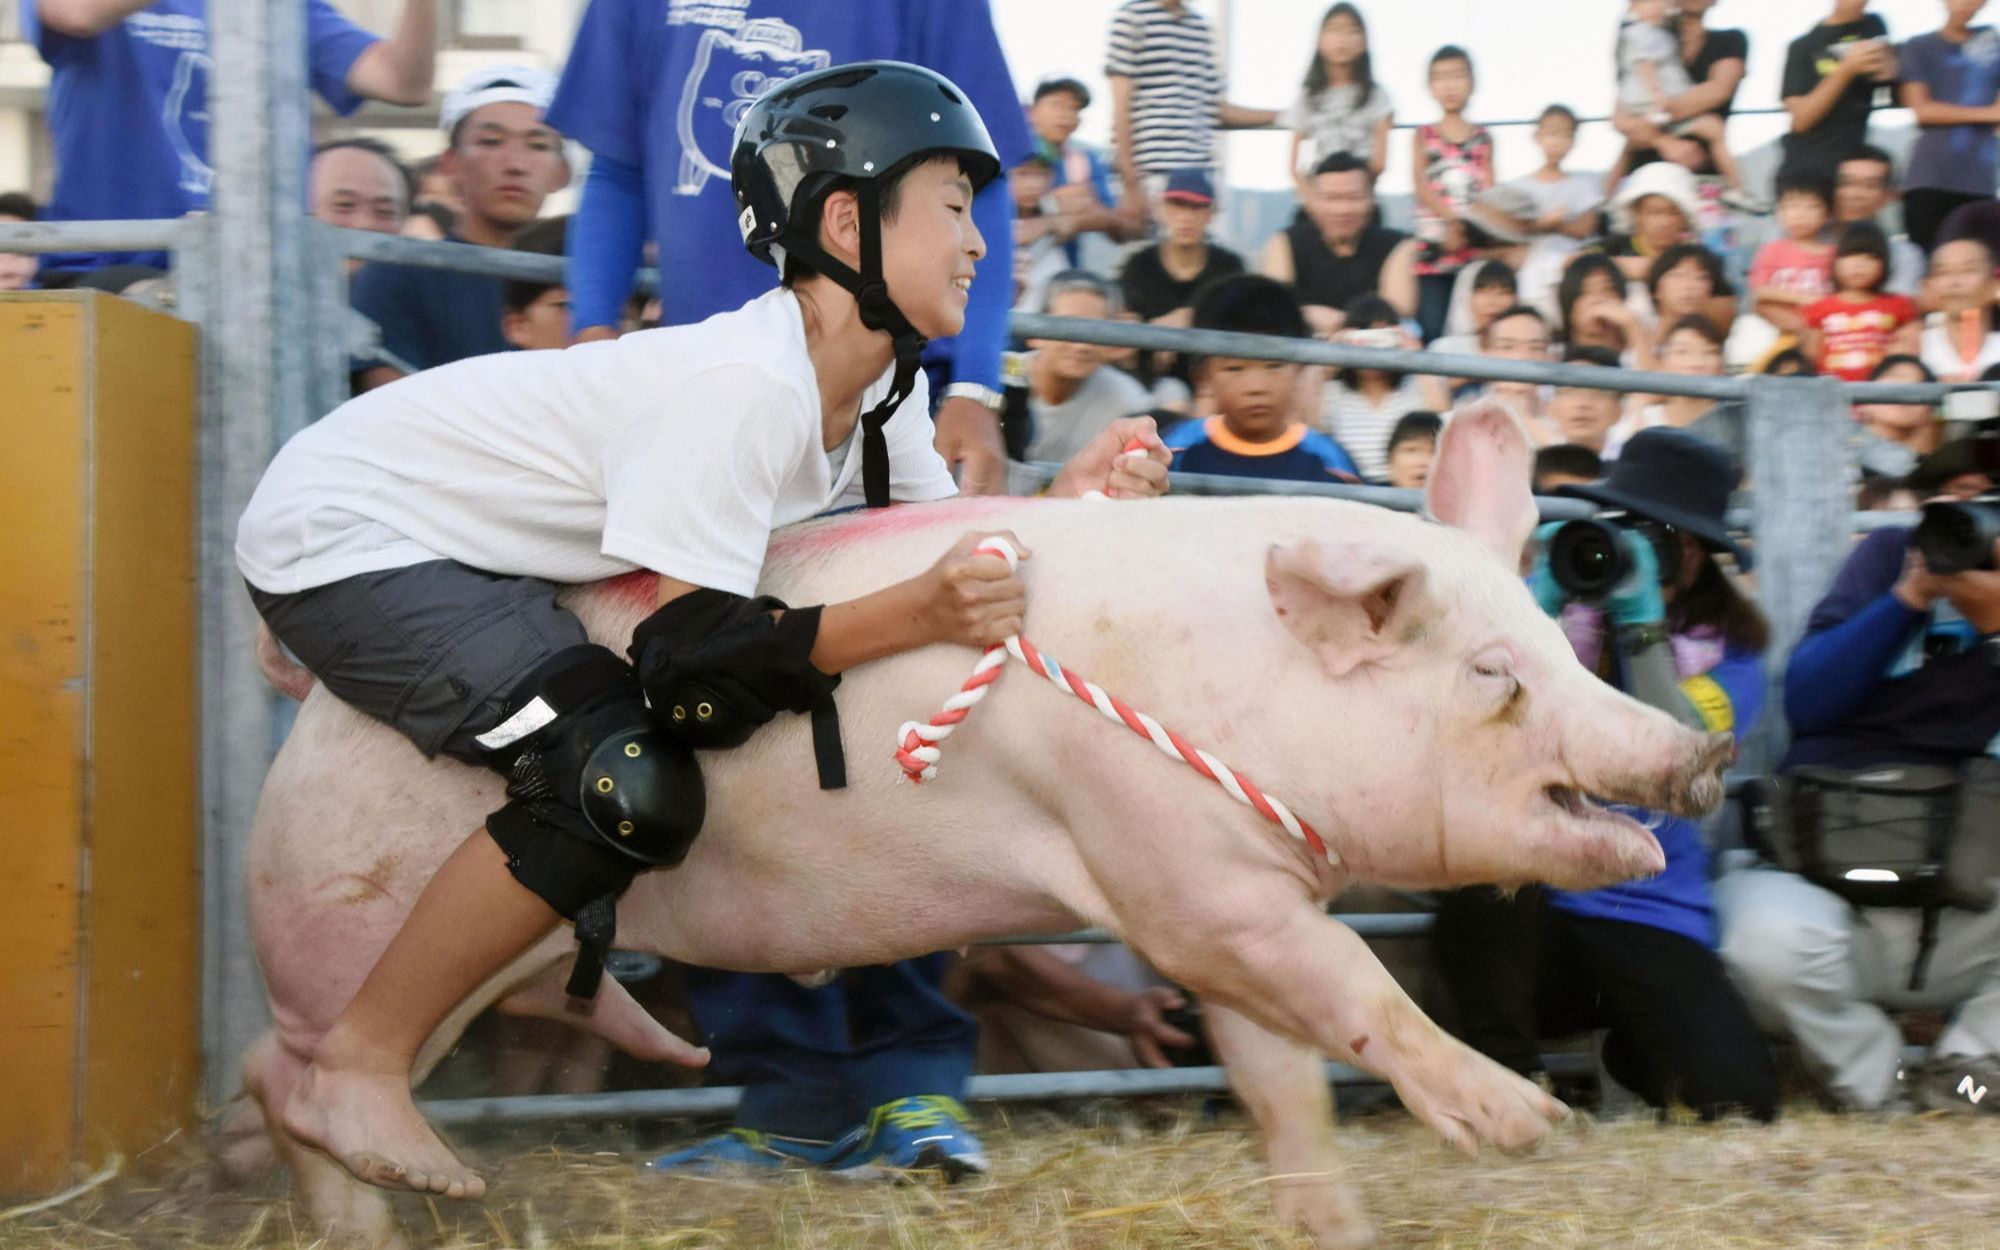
pixel 1958 537
pixel 1585 558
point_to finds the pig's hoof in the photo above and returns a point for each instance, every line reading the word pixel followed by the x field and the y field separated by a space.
pixel 366 1122
pixel 1330 1214
pixel 1484 1103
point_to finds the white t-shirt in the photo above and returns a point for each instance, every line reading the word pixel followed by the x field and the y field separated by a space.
pixel 676 450
pixel 1549 253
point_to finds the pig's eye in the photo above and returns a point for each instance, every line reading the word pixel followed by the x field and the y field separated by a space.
pixel 1489 670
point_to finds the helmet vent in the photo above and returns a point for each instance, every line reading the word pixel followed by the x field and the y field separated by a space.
pixel 828 112
pixel 949 94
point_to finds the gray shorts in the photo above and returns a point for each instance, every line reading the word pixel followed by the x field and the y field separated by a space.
pixel 434 649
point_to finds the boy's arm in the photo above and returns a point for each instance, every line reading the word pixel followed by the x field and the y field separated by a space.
pixel 1916 97
pixel 1237 117
pixel 400 69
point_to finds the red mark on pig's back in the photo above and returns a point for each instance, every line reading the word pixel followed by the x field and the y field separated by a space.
pixel 638 589
pixel 878 524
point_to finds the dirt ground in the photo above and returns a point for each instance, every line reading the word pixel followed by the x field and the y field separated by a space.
pixel 1160 1175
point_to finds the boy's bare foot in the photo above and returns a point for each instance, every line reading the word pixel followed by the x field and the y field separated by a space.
pixel 359 1111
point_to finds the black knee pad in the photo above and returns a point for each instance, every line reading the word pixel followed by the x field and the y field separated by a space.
pixel 556 854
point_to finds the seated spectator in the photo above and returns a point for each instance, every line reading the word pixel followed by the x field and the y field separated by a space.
pixel 1567 210
pixel 1359 407
pixel 17 269
pixel 1252 433
pixel 434 185
pixel 1166 94
pixel 1332 253
pixel 1638 959
pixel 1039 252
pixel 1069 1008
pixel 1951 84
pixel 1895 436
pixel 1896 668
pixel 1159 282
pixel 1453 162
pixel 1951 472
pixel 537 313
pixel 1596 313
pixel 1520 333
pixel 1687 280
pixel 1412 448
pixel 1692 348
pixel 1082 200
pixel 1795 270
pixel 1864 185
pixel 1959 341
pixel 1072 393
pixel 1491 287
pixel 1850 331
pixel 1654 209
pixel 429 220
pixel 1584 416
pixel 1565 464
pixel 358 183
pixel 505 161
pixel 1831 76
pixel 1651 76
pixel 1341 107
pixel 130 112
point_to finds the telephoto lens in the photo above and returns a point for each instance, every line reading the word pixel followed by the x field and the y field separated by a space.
pixel 1957 536
pixel 1586 559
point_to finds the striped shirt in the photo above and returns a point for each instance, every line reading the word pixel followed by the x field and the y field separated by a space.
pixel 1176 85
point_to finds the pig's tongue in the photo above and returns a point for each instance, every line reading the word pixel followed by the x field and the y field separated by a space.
pixel 1603 846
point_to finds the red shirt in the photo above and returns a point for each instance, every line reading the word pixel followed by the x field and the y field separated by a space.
pixel 1854 337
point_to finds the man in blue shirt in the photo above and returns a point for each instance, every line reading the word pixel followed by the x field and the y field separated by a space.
pixel 1898 666
pixel 654 89
pixel 871 1067
pixel 504 161
pixel 1084 203
pixel 128 101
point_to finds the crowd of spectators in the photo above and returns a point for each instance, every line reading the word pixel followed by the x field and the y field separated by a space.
pixel 1640 268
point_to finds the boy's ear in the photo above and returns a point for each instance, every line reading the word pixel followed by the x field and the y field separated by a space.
pixel 840 225
pixel 511 323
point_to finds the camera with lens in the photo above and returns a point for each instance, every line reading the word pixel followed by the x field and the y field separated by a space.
pixel 1588 559
pixel 1957 535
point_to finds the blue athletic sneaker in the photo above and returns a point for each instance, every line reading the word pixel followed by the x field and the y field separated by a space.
pixel 743 1148
pixel 925 1133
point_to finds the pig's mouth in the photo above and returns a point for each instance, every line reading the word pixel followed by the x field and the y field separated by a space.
pixel 1600 846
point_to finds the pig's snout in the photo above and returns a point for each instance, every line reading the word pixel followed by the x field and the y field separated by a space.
pixel 1690 785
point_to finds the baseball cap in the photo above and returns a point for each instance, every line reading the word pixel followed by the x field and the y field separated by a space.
pixel 497 84
pixel 1189 186
pixel 1049 86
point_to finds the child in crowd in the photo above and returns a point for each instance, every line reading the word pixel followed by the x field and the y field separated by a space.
pixel 1594 311
pixel 1650 73
pixel 1849 332
pixel 1494 286
pixel 1583 415
pixel 1520 333
pixel 1360 406
pixel 1566 210
pixel 1958 342
pixel 1341 107
pixel 535 315
pixel 1565 464
pixel 1454 162
pixel 1412 447
pixel 1893 436
pixel 1792 272
pixel 1688 280
pixel 1692 347
pixel 1252 433
pixel 1038 233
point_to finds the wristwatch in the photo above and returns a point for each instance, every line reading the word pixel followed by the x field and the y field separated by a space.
pixel 985 396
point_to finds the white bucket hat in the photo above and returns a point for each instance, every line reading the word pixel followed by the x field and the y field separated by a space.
pixel 1662 178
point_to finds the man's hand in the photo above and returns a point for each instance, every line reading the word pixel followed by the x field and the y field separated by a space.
pixel 973 600
pixel 1975 594
pixel 1917 588
pixel 968 437
pixel 1104 464
pixel 1142 1019
pixel 1871 58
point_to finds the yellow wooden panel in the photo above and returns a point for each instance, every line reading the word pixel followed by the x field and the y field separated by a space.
pixel 142 914
pixel 42 676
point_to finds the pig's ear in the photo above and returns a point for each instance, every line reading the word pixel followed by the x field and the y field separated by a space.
pixel 1350 603
pixel 1480 481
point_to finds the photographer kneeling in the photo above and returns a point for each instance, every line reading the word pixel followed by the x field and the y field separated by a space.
pixel 1649 610
pixel 1893 800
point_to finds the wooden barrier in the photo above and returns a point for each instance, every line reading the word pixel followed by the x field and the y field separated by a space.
pixel 99 854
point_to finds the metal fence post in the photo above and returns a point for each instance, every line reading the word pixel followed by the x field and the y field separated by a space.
pixel 325 305
pixel 1802 524
pixel 255 356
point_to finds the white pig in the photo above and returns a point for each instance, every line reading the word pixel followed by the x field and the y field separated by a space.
pixel 1388 678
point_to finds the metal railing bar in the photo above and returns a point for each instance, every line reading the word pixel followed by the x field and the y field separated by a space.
pixel 35 237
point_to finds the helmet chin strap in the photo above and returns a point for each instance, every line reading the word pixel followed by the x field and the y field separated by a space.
pixel 878 312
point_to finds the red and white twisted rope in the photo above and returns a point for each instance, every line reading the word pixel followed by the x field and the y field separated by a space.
pixel 918 743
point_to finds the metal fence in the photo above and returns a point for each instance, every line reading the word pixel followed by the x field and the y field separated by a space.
pixel 275 358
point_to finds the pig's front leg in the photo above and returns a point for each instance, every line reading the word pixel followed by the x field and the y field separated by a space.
pixel 1281 1084
pixel 1310 977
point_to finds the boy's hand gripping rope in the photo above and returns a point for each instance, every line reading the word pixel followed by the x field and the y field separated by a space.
pixel 918 752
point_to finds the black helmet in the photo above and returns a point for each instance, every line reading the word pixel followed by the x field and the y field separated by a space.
pixel 865 123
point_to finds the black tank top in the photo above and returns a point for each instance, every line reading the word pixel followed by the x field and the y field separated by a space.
pixel 1320 276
